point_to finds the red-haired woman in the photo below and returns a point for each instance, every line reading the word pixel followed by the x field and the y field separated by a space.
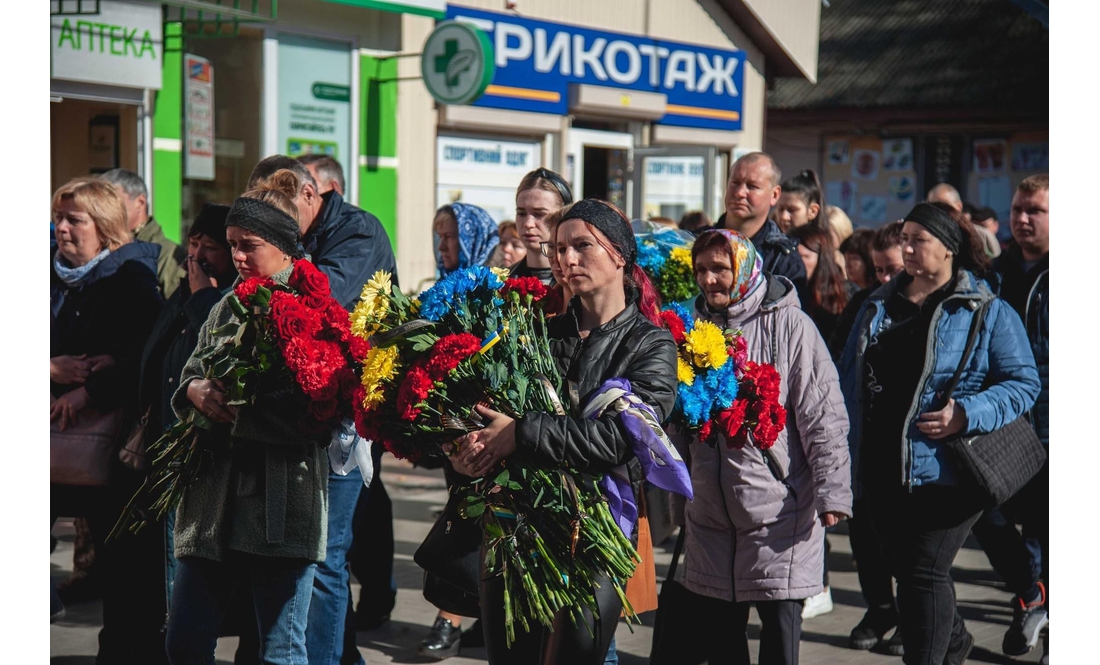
pixel 607 332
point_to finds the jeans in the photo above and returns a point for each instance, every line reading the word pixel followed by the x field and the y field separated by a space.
pixel 1020 559
pixel 876 581
pixel 281 590
pixel 331 592
pixel 922 531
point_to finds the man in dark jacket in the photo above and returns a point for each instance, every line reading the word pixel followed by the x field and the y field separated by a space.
pixel 753 189
pixel 349 245
pixel 1024 561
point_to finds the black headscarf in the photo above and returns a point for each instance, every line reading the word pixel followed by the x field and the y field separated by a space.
pixel 601 215
pixel 939 224
pixel 268 222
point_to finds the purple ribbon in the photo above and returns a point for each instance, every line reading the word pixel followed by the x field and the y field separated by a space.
pixel 661 463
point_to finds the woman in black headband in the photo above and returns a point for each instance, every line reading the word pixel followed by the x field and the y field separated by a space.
pixel 540 194
pixel 258 512
pixel 608 332
pixel 909 339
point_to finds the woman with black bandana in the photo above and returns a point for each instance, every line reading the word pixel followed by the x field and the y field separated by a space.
pixel 609 331
pixel 908 340
pixel 258 513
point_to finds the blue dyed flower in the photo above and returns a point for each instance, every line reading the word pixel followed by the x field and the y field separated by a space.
pixel 463 284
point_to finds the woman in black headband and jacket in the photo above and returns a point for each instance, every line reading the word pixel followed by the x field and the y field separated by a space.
pixel 908 340
pixel 258 513
pixel 607 332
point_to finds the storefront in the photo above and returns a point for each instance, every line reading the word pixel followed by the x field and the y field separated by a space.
pixel 104 70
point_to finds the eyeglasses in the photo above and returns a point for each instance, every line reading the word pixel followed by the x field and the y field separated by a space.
pixel 547 249
pixel 558 183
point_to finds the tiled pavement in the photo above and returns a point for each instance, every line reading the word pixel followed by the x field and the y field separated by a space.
pixel 416 493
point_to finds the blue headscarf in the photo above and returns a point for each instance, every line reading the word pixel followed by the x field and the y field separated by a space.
pixel 477 238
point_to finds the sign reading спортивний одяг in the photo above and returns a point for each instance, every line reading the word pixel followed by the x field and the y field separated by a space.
pixel 121 45
pixel 536 61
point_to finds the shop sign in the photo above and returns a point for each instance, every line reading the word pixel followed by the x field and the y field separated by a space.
pixel 121 45
pixel 513 158
pixel 456 63
pixel 537 60
pixel 315 116
pixel 198 90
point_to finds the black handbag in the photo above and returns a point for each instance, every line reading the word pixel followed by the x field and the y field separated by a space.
pixel 451 558
pixel 675 620
pixel 998 464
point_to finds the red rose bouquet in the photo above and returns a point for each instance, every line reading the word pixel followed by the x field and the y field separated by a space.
pixel 291 340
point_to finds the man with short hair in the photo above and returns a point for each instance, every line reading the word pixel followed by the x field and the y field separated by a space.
pixel 349 245
pixel 326 171
pixel 945 193
pixel 135 197
pixel 751 192
pixel 1024 560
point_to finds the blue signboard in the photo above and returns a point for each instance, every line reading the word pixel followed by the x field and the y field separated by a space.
pixel 537 60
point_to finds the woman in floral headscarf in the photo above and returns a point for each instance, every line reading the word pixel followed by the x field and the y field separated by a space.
pixel 755 530
pixel 467 237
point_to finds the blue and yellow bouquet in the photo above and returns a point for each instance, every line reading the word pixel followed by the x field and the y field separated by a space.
pixel 665 255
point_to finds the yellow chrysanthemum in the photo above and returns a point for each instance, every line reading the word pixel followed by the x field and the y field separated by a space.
pixel 372 301
pixel 681 255
pixel 683 372
pixel 706 345
pixel 502 273
pixel 379 366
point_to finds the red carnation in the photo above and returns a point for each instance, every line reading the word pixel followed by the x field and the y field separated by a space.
pixel 525 286
pixel 292 318
pixel 246 289
pixel 449 351
pixel 731 419
pixel 554 301
pixel 358 346
pixel 413 390
pixel 740 353
pixel 316 375
pixel 705 431
pixel 763 381
pixel 675 326
pixel 337 322
pixel 307 280
pixel 772 420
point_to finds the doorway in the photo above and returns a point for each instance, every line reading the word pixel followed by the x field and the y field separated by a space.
pixel 600 165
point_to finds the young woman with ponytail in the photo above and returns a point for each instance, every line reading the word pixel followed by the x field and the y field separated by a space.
pixel 802 202
pixel 608 331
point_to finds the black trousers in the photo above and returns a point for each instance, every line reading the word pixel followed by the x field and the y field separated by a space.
pixel 565 645
pixel 135 601
pixel 1020 559
pixel 921 532
pixel 876 580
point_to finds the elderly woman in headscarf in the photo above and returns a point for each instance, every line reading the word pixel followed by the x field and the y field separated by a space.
pixel 755 530
pixel 467 237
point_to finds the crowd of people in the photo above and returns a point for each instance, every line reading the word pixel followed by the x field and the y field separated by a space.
pixel 865 327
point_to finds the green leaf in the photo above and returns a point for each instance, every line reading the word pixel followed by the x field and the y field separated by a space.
pixel 238 309
pixel 502 478
pixel 494 531
pixel 475 510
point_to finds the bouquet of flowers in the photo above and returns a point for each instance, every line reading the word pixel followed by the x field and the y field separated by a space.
pixel 665 256
pixel 482 338
pixel 719 390
pixel 294 341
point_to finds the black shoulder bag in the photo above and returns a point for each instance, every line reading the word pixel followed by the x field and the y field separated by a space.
pixel 1000 463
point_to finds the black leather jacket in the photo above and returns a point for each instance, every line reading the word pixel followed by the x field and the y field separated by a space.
pixel 629 346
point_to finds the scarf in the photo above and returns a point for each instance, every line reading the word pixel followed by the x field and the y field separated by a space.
pixel 76 276
pixel 748 268
pixel 477 237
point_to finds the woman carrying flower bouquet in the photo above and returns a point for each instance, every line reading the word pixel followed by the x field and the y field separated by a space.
pixel 608 332
pixel 258 512
pixel 906 345
pixel 755 530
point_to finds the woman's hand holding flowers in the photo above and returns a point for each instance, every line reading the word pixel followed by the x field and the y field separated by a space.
pixel 208 396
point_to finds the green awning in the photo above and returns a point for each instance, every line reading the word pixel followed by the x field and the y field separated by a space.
pixel 433 8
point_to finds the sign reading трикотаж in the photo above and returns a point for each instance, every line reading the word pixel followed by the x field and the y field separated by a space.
pixel 121 45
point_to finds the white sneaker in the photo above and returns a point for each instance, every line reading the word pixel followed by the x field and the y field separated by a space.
pixel 817 605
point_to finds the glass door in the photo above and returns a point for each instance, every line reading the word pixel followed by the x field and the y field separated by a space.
pixel 671 181
pixel 599 165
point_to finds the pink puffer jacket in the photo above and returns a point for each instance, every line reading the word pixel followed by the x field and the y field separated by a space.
pixel 750 536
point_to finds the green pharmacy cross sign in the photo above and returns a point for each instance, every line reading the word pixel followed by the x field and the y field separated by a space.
pixel 457 63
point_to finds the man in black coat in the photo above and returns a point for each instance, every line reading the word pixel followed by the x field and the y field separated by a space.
pixel 751 192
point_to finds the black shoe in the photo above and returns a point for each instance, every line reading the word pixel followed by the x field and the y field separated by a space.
pixel 370 623
pixel 957 653
pixel 871 629
pixel 473 637
pixel 442 641
pixel 893 646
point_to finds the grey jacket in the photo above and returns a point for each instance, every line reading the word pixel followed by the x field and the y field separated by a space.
pixel 750 536
pixel 268 494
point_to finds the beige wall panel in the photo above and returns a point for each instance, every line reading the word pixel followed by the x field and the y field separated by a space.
pixel 416 131
pixel 372 29
pixel 795 24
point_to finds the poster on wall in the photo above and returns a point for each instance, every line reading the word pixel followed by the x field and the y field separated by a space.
pixel 897 155
pixel 315 98
pixel 1030 157
pixel 902 189
pixel 198 91
pixel 872 209
pixel 837 152
pixel 842 195
pixel 865 164
pixel 990 156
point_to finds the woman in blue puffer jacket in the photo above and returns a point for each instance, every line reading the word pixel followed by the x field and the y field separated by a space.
pixel 906 345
